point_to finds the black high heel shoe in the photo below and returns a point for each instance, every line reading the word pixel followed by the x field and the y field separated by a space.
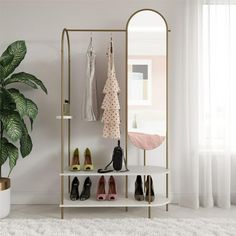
pixel 138 194
pixel 74 193
pixel 152 195
pixel 86 189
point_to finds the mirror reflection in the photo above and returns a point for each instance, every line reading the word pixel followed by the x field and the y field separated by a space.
pixel 147 74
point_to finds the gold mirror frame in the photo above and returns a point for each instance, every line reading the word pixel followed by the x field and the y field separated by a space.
pixel 126 95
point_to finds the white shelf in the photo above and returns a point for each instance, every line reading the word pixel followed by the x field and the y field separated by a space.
pixel 120 202
pixel 133 171
pixel 64 117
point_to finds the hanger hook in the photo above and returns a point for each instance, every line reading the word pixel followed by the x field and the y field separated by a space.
pixel 91 37
pixel 111 46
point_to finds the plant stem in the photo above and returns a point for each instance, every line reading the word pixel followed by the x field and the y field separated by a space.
pixel 9 173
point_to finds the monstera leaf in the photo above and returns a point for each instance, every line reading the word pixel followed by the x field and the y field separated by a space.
pixel 12 57
pixel 26 78
pixel 12 124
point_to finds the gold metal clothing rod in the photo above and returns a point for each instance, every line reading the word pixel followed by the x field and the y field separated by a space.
pixel 96 30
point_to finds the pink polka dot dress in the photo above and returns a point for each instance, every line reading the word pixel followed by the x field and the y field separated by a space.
pixel 110 104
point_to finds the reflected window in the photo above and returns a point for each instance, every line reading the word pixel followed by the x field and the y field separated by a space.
pixel 140 82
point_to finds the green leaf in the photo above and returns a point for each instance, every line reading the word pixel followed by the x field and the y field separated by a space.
pixel 6 100
pixel 33 79
pixel 19 100
pixel 26 78
pixel 25 141
pixel 18 78
pixel 31 110
pixel 8 151
pixel 1 74
pixel 25 145
pixel 17 50
pixel 12 124
pixel 13 155
pixel 5 60
pixel 3 151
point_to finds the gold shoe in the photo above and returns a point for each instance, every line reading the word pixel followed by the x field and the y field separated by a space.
pixel 88 165
pixel 75 165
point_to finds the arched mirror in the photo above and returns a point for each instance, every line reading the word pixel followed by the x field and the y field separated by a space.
pixel 147 78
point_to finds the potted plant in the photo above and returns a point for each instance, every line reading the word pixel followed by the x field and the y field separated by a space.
pixel 15 109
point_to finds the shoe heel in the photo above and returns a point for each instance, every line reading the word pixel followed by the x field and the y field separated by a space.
pixel 112 192
pixel 86 189
pixel 88 165
pixel 74 194
pixel 101 194
pixel 149 183
pixel 75 165
pixel 138 193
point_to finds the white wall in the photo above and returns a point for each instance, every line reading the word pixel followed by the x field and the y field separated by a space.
pixel 36 179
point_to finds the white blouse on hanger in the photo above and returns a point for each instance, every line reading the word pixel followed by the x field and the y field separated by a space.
pixel 90 105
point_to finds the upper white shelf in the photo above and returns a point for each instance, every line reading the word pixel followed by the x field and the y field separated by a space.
pixel 133 171
pixel 64 117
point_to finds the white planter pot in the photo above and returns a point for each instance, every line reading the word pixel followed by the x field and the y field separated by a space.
pixel 5 197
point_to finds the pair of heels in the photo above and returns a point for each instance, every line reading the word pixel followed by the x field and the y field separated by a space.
pixel 85 194
pixel 75 165
pixel 138 194
pixel 112 192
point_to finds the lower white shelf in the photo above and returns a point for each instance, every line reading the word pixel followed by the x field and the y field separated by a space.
pixel 120 202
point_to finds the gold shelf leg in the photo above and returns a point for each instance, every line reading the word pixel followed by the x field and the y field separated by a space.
pixel 144 163
pixel 167 190
pixel 149 197
pixel 62 212
pixel 126 190
pixel 68 184
pixel 62 197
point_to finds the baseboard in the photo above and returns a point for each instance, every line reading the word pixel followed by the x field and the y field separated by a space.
pixel 30 197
